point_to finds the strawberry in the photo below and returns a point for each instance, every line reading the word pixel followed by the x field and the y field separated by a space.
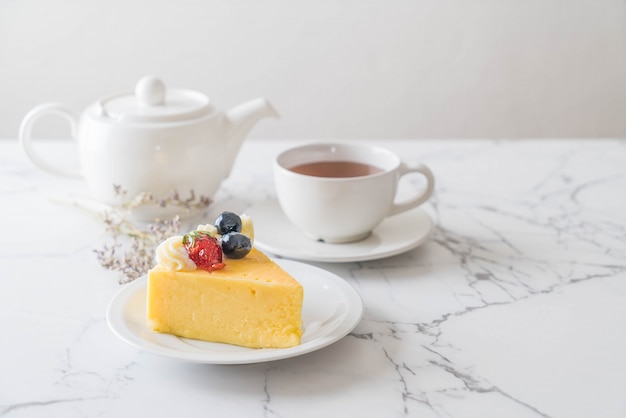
pixel 204 250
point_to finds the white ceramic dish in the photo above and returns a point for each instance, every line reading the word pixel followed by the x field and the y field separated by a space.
pixel 331 309
pixel 395 235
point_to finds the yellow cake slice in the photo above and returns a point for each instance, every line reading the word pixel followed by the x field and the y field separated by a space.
pixel 250 302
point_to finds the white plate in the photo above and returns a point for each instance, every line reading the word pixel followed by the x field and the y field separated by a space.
pixel 397 234
pixel 331 309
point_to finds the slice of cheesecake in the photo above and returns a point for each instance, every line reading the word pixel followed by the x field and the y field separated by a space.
pixel 250 302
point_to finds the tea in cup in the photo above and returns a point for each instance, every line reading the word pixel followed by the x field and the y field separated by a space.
pixel 339 192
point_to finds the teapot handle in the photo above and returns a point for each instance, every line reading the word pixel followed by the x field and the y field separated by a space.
pixel 25 137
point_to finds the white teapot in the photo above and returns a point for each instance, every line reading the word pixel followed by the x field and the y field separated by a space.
pixel 155 140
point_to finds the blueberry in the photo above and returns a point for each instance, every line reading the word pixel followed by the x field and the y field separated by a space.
pixel 228 222
pixel 235 245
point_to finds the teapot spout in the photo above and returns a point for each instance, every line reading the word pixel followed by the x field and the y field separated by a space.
pixel 241 119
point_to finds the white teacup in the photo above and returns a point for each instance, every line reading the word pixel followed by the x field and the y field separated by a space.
pixel 339 193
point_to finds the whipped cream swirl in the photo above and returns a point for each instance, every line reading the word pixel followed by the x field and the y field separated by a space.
pixel 211 229
pixel 172 255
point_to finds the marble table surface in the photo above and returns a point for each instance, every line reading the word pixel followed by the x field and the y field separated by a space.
pixel 515 306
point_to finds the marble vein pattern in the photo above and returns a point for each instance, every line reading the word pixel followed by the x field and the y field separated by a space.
pixel 515 307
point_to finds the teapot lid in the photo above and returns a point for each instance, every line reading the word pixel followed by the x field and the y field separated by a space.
pixel 152 102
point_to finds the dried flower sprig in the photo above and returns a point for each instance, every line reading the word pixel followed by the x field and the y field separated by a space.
pixel 174 199
pixel 134 259
pixel 133 245
pixel 132 251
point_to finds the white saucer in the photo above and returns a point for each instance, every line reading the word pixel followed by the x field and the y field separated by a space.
pixel 330 311
pixel 397 234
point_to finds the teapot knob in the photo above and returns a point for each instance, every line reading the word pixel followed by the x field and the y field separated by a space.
pixel 150 91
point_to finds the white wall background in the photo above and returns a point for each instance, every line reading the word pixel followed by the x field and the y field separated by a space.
pixel 334 68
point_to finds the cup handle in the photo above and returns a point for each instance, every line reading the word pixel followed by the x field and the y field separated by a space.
pixel 415 201
pixel 25 137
